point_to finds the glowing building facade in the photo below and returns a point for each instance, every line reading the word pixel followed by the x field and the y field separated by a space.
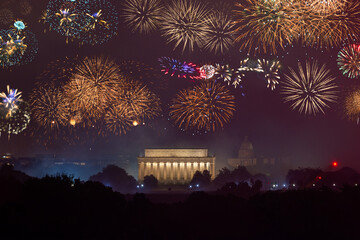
pixel 175 166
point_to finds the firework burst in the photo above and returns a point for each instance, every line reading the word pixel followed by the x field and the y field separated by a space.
pixel 100 21
pixel 17 123
pixel 223 72
pixel 142 15
pixel 311 90
pixel 227 74
pixel 352 106
pixel 49 108
pixel 219 34
pixel 139 101
pixel 185 23
pixel 333 27
pixel 179 69
pixel 262 25
pixel 327 6
pixel 10 101
pixel 271 72
pixel 206 107
pixel 65 17
pixel 118 119
pixel 207 71
pixel 92 86
pixel 349 61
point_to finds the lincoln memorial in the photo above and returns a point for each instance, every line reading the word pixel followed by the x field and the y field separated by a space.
pixel 175 166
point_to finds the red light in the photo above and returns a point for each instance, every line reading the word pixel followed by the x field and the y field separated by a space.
pixel 319 177
pixel 334 164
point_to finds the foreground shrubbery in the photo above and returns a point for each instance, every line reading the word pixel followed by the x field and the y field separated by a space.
pixel 59 208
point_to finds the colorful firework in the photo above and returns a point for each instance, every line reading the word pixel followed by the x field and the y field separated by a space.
pixel 100 21
pixel 92 22
pixel 352 106
pixel 142 16
pixel 139 101
pixel 17 46
pixel 10 100
pixel 206 107
pixel 271 72
pixel 15 124
pixel 219 33
pixel 65 17
pixel 184 23
pixel 49 108
pixel 119 120
pixel 179 69
pixel 311 90
pixel 349 61
pixel 12 48
pixel 207 71
pixel 262 25
pixel 93 85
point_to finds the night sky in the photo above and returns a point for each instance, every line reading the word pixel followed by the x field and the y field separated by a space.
pixel 274 129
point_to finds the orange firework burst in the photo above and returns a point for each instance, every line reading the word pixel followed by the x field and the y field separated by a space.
pixel 48 107
pixel 352 106
pixel 93 85
pixel 119 119
pixel 208 106
pixel 311 90
pixel 327 6
pixel 262 25
pixel 331 23
pixel 139 101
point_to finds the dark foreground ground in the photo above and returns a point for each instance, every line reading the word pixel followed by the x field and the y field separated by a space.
pixel 57 208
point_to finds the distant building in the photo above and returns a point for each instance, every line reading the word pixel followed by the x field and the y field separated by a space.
pixel 246 156
pixel 269 166
pixel 175 166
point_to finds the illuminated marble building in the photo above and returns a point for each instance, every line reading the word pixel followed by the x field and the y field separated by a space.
pixel 175 166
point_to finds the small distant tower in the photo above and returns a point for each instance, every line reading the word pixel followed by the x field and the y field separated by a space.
pixel 246 155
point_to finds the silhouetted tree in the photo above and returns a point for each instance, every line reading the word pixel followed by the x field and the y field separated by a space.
pixel 7 171
pixel 150 182
pixel 238 175
pixel 202 179
pixel 116 178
